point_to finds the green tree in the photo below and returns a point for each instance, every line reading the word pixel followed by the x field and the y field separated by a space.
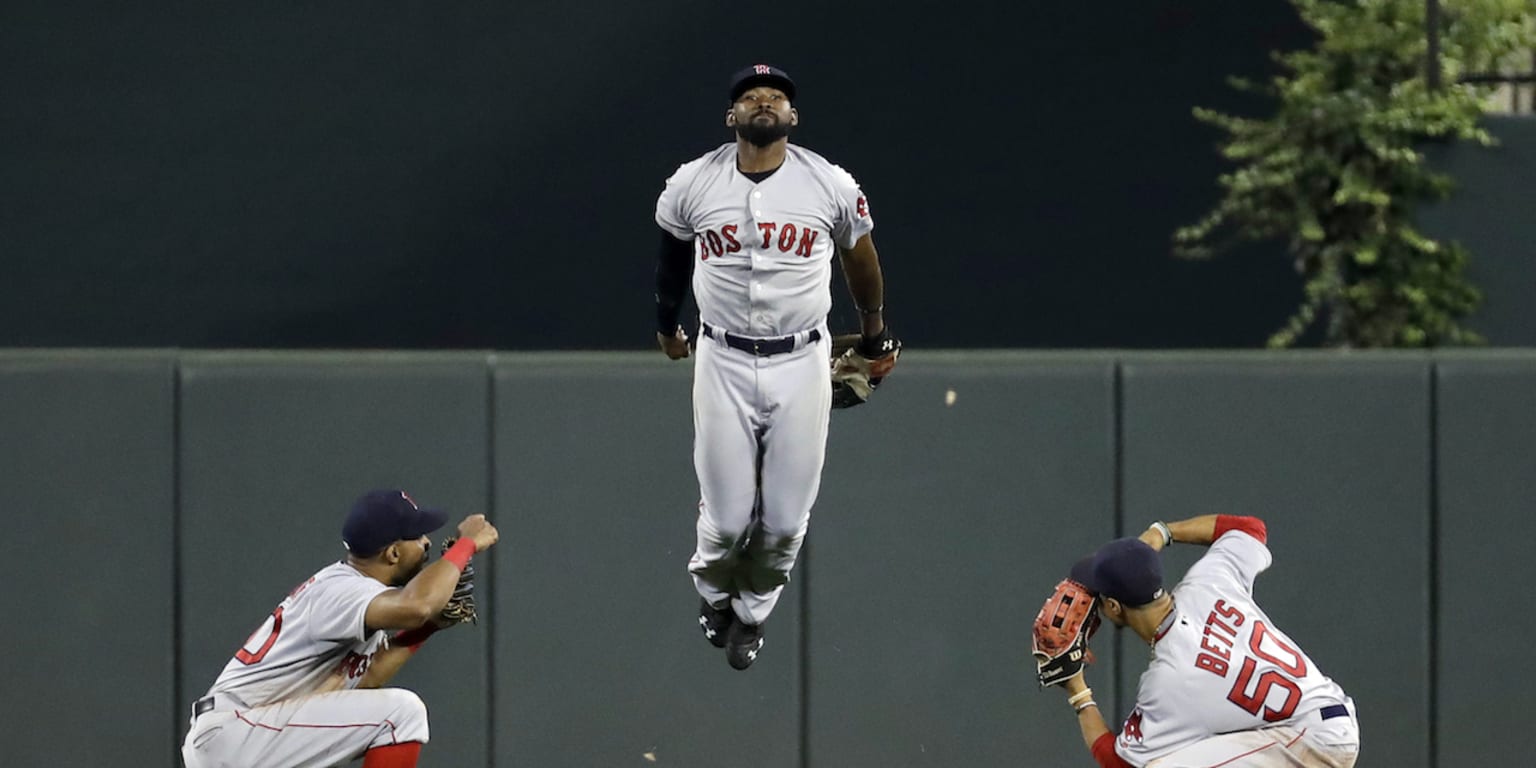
pixel 1335 172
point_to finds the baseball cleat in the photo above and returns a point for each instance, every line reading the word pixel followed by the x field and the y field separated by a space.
pixel 715 622
pixel 743 643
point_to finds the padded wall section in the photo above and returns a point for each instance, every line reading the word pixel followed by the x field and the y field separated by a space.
pixel 950 506
pixel 1487 489
pixel 86 491
pixel 599 657
pixel 1332 451
pixel 195 500
pixel 275 447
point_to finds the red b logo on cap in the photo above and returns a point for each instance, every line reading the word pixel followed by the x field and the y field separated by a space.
pixel 762 69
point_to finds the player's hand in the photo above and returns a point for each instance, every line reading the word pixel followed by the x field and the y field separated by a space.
pixel 479 530
pixel 676 345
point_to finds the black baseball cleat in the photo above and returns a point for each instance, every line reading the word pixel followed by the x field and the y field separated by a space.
pixel 715 622
pixel 743 643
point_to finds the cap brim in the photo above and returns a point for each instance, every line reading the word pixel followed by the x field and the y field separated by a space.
pixel 1082 573
pixel 427 521
pixel 773 81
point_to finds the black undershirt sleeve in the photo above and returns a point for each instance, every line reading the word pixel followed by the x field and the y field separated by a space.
pixel 674 268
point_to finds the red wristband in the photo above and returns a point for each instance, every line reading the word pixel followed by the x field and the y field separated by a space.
pixel 413 638
pixel 460 553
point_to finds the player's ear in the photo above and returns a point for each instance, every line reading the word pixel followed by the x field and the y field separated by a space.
pixel 1112 607
pixel 730 118
pixel 794 116
pixel 392 553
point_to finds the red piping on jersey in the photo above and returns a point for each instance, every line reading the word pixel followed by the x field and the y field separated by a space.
pixel 1104 752
pixel 241 717
pixel 1252 526
pixel 1106 744
pixel 1241 756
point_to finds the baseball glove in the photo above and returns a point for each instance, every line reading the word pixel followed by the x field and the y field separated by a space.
pixel 859 364
pixel 460 607
pixel 1062 628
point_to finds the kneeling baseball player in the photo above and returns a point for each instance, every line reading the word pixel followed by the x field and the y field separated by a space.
pixel 305 689
pixel 1226 687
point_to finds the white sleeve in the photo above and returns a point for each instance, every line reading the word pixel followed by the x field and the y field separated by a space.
pixel 1235 559
pixel 853 219
pixel 1160 724
pixel 672 207
pixel 339 607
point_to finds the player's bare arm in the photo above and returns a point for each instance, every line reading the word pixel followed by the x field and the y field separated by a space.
pixel 866 283
pixel 385 664
pixel 1089 718
pixel 425 595
pixel 1196 530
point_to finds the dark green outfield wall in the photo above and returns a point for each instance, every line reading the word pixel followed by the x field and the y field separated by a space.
pixel 161 502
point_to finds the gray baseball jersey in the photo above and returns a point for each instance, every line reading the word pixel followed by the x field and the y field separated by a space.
pixel 314 640
pixel 763 272
pixel 289 697
pixel 1221 665
pixel 764 250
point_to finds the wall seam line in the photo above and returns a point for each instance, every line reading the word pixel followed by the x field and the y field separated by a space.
pixel 1434 564
pixel 178 607
pixel 490 513
pixel 804 726
pixel 1117 452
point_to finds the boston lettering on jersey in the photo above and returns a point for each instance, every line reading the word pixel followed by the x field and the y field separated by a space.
pixel 801 239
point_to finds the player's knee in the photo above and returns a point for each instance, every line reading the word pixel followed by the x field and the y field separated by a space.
pixel 780 544
pixel 720 533
pixel 406 718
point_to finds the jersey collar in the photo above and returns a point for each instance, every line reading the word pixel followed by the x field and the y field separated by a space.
pixel 1167 622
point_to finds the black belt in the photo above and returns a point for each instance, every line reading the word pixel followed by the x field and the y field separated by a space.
pixel 759 347
pixel 208 704
pixel 1334 710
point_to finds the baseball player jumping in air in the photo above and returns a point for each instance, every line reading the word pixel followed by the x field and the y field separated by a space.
pixel 755 223
pixel 304 690
pixel 1226 687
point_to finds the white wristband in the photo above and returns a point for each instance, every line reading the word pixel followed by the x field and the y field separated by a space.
pixel 1162 528
pixel 1086 693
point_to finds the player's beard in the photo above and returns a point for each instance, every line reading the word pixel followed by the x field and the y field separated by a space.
pixel 405 578
pixel 763 133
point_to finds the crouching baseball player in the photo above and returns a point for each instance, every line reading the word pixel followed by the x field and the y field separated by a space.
pixel 1226 687
pixel 304 691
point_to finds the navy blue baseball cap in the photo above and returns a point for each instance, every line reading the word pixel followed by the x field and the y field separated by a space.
pixel 761 74
pixel 1126 569
pixel 381 518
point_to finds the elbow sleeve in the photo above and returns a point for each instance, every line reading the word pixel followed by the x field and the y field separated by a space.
pixel 674 268
pixel 1252 526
